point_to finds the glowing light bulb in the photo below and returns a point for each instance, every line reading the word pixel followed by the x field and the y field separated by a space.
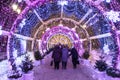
pixel 18 11
pixel 14 7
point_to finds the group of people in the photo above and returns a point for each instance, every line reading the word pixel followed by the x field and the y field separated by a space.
pixel 61 53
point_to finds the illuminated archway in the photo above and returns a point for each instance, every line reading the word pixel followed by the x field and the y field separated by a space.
pixel 57 34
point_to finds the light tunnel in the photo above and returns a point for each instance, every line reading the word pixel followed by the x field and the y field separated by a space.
pixel 86 24
pixel 94 29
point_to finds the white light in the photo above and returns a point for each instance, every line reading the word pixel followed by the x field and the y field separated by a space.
pixel 108 1
pixel 112 15
pixel 0 27
pixel 74 29
pixel 15 53
pixel 60 25
pixel 18 11
pixel 47 29
pixel 23 46
pixel 84 26
pixel 106 49
pixel 0 32
pixel 22 23
pixel 62 3
pixel 19 1
pixel 14 7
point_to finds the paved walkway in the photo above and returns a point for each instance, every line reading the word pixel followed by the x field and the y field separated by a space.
pixel 46 72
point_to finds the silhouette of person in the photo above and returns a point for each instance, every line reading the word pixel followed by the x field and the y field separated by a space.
pixel 74 55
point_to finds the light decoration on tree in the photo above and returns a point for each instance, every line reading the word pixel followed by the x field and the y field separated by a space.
pixel 113 15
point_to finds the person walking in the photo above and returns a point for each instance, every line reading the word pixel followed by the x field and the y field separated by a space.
pixel 57 53
pixel 64 56
pixel 74 55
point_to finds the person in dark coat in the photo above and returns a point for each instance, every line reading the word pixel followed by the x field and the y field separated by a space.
pixel 74 55
pixel 57 53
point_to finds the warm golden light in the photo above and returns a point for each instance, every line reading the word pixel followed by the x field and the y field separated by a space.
pixel 84 26
pixel 14 7
pixel 18 11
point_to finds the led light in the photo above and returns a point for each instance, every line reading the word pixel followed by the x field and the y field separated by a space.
pixel 62 3
pixel 84 26
pixel 113 15
pixel 0 32
pixel 14 7
pixel 15 53
pixel 18 11
pixel 0 27
pixel 60 25
pixel 19 1
pixel 108 1
pixel 106 49
pixel 23 46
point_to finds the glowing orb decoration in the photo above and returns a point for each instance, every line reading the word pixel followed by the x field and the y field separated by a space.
pixel 14 7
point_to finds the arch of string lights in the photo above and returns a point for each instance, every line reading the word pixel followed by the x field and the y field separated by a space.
pixel 30 18
pixel 74 38
pixel 108 26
